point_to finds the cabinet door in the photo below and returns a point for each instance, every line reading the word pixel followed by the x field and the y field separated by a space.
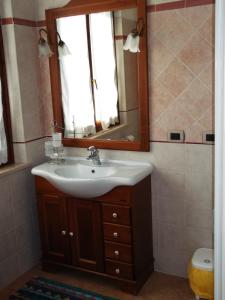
pixel 54 228
pixel 86 234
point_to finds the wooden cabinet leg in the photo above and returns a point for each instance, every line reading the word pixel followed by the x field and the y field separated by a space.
pixel 130 288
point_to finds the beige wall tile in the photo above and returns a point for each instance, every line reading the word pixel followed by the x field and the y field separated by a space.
pixel 171 235
pixel 172 262
pixel 6 8
pixel 8 246
pixel 197 238
pixel 13 82
pixel 199 158
pixel 198 191
pixel 36 151
pixel 20 226
pixel 199 218
pixel 162 100
pixel 42 5
pixel 24 9
pixel 172 182
pixel 28 67
pixel 176 77
pixel 207 76
pixel 196 99
pixel 196 54
pixel 207 30
pixel 9 270
pixel 159 57
pixel 169 156
pixel 172 210
pixel 167 41
pixel 175 31
pixel 20 153
pixel 196 15
pixel 207 120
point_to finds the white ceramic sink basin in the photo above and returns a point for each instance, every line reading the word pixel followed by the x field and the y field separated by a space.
pixel 82 171
pixel 80 178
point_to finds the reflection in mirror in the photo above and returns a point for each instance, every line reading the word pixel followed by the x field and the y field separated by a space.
pixel 99 80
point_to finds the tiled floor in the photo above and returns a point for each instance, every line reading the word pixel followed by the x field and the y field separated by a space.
pixel 158 287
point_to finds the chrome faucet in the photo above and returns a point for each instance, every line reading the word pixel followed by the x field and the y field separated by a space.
pixel 94 156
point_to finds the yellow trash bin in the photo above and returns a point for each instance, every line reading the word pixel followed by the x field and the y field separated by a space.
pixel 201 274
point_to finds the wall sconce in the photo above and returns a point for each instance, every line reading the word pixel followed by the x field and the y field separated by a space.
pixel 133 38
pixel 63 49
pixel 43 45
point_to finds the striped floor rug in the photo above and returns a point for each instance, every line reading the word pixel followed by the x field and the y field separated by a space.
pixel 45 289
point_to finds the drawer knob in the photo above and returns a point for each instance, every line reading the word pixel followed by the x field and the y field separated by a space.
pixel 71 234
pixel 116 252
pixel 63 232
pixel 115 235
pixel 115 215
pixel 117 271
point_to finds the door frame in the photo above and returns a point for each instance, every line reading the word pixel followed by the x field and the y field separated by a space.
pixel 219 216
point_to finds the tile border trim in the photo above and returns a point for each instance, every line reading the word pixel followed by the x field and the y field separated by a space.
pixel 19 21
pixel 150 9
pixel 178 5
pixel 150 141
pixel 33 140
pixel 183 143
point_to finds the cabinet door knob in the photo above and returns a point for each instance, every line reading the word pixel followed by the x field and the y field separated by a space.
pixel 115 234
pixel 115 215
pixel 63 232
pixel 116 252
pixel 117 271
pixel 71 234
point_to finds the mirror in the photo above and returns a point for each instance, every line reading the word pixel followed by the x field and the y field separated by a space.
pixel 99 90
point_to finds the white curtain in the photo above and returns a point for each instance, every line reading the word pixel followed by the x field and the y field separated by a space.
pixel 77 98
pixel 104 68
pixel 3 141
pixel 75 78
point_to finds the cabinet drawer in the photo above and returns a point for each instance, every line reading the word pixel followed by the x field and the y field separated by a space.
pixel 117 233
pixel 118 252
pixel 119 269
pixel 116 214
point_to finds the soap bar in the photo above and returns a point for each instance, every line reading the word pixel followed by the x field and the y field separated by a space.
pixel 56 139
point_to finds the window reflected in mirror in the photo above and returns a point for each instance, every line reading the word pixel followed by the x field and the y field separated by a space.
pixel 99 80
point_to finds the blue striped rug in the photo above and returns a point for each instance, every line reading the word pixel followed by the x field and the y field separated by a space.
pixel 45 289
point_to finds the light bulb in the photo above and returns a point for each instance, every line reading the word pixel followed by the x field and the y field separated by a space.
pixel 44 48
pixel 63 49
pixel 132 43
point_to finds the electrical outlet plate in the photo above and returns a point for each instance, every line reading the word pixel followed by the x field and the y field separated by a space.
pixel 208 137
pixel 176 136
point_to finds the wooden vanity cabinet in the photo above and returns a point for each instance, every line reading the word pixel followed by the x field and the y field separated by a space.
pixel 86 234
pixel 54 228
pixel 109 236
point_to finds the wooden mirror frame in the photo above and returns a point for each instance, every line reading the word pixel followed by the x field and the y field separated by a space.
pixel 78 7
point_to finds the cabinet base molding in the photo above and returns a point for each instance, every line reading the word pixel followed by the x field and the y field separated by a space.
pixel 128 286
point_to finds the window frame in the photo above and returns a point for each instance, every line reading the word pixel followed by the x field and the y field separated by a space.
pixel 5 102
pixel 98 125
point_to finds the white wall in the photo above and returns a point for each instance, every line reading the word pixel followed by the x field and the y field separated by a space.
pixel 20 245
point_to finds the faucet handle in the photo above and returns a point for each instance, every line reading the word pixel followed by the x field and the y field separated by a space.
pixel 93 150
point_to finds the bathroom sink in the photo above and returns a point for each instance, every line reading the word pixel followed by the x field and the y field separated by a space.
pixel 80 178
pixel 82 171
